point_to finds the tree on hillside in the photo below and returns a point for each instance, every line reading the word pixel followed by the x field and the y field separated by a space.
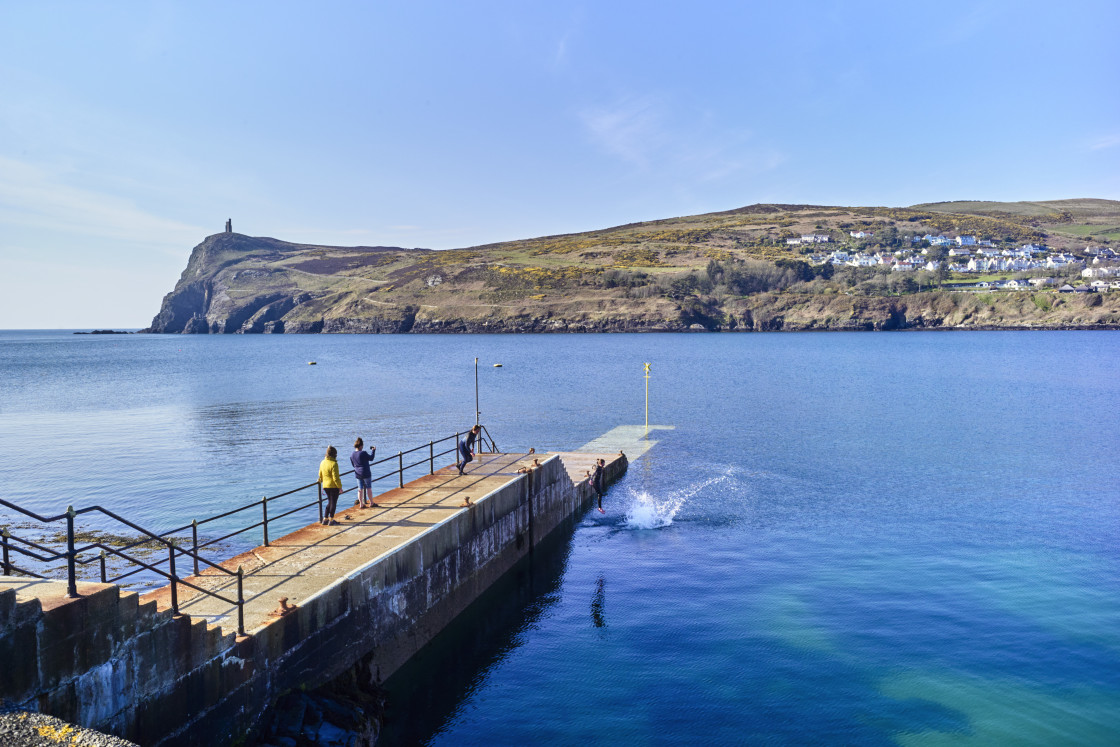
pixel 942 272
pixel 801 269
pixel 888 237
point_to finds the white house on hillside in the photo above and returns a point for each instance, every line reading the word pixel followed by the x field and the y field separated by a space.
pixel 1100 271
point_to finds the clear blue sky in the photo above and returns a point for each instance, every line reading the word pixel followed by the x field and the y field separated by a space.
pixel 130 131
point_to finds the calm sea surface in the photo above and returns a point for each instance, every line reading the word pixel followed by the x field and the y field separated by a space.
pixel 846 539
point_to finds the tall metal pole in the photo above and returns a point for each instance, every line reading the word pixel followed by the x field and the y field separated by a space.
pixel 647 398
pixel 477 414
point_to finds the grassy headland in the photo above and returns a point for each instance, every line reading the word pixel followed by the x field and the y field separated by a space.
pixel 742 269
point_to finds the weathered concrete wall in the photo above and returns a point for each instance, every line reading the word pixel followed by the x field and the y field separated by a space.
pixel 108 662
pixel 398 602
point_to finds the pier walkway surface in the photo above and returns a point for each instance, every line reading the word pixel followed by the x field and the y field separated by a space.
pixel 307 561
pixel 382 581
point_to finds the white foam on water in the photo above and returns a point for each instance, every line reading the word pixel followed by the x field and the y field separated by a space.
pixel 647 512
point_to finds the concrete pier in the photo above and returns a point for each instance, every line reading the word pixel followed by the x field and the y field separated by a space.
pixel 308 561
pixel 373 589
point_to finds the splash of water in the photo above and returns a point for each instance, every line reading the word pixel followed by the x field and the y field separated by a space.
pixel 647 512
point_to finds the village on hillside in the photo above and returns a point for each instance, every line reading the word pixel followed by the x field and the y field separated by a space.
pixel 1099 266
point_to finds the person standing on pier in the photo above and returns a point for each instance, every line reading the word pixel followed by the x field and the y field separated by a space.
pixel 331 482
pixel 597 481
pixel 360 460
pixel 466 449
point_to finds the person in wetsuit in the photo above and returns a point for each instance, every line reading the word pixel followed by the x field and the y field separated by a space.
pixel 466 449
pixel 597 481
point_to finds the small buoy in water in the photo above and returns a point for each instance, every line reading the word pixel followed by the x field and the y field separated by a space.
pixel 497 365
pixel 312 363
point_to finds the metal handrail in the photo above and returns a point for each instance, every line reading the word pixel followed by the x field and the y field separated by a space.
pixel 29 543
pixel 73 554
pixel 72 559
pixel 28 553
pixel 493 446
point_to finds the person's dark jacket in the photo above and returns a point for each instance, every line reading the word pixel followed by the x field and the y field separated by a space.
pixel 360 459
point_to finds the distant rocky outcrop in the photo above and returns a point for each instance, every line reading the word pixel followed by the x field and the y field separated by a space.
pixel 731 271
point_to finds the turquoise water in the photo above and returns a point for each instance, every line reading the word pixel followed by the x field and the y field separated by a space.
pixel 847 538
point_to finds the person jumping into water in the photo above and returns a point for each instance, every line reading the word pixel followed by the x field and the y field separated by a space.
pixel 466 449
pixel 597 481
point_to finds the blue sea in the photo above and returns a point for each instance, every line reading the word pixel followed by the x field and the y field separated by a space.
pixel 866 538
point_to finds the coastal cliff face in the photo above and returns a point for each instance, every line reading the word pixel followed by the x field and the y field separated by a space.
pixel 731 271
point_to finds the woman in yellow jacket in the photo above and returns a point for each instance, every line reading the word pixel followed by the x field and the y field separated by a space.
pixel 332 484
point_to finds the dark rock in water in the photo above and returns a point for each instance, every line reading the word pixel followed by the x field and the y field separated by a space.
pixel 348 712
pixel 104 332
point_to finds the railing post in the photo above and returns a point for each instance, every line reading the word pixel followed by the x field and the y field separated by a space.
pixel 240 601
pixel 400 468
pixel 7 561
pixel 264 512
pixel 174 578
pixel 194 543
pixel 104 575
pixel 431 457
pixel 71 569
pixel 320 503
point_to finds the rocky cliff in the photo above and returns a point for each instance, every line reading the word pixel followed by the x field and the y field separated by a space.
pixel 722 271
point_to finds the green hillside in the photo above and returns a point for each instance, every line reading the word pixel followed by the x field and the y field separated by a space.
pixel 737 269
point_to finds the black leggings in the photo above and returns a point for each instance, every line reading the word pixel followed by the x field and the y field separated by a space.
pixel 332 501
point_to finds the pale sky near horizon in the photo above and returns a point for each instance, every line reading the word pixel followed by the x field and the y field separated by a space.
pixel 131 131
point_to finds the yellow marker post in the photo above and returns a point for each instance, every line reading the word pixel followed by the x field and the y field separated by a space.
pixel 647 397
